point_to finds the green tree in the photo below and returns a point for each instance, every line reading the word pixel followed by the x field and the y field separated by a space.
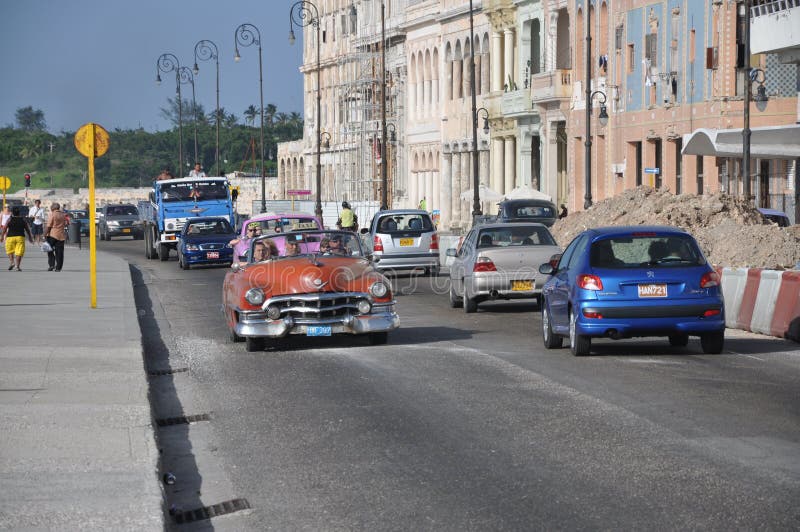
pixel 30 119
pixel 250 114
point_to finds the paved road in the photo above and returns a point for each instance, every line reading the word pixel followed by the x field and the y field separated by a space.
pixel 465 422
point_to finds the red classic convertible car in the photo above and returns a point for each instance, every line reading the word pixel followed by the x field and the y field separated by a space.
pixel 311 283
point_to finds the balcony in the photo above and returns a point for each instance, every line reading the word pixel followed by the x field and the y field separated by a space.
pixel 551 86
pixel 516 103
pixel 775 26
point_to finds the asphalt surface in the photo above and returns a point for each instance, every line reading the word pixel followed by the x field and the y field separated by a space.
pixel 462 422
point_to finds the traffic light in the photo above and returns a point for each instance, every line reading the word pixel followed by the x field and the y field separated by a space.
pixel 27 180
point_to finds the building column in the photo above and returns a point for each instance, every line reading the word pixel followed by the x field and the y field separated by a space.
pixel 455 185
pixel 446 190
pixel 465 70
pixel 508 55
pixel 478 69
pixel 510 160
pixel 412 188
pixel 436 195
pixel 525 153
pixel 412 100
pixel 430 198
pixel 485 72
pixel 466 184
pixel 457 64
pixel 496 61
pixel 420 109
pixel 426 99
pixel 448 81
pixel 496 177
pixel 434 95
pixel 483 164
pixel 552 42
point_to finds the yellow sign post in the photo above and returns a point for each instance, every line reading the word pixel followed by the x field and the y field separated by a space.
pixel 5 184
pixel 91 140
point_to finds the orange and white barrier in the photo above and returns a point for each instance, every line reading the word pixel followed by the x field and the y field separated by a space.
pixel 762 301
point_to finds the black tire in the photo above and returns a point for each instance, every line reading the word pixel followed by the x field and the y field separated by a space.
pixel 254 344
pixel 455 301
pixel 182 263
pixel 378 338
pixel 163 252
pixel 233 337
pixel 712 343
pixel 551 340
pixel 679 340
pixel 579 345
pixel 102 233
pixel 470 304
pixel 149 248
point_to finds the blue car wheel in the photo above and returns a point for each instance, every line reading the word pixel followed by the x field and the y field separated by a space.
pixel 579 344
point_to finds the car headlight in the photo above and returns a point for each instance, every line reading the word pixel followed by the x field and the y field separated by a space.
pixel 192 247
pixel 378 289
pixel 254 296
pixel 273 312
pixel 364 306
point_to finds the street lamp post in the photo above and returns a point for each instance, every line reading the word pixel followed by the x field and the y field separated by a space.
pixel 304 13
pixel 587 142
pixel 206 50
pixel 246 35
pixel 476 198
pixel 603 119
pixel 384 161
pixel 167 63
pixel 185 76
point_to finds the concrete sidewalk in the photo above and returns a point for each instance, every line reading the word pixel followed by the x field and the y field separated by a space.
pixel 77 449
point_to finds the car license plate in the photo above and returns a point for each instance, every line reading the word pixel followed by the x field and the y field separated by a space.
pixel 406 241
pixel 212 255
pixel 521 285
pixel 652 290
pixel 126 230
pixel 318 330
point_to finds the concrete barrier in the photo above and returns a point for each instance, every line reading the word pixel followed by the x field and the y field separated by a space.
pixel 733 281
pixel 748 303
pixel 786 316
pixel 766 297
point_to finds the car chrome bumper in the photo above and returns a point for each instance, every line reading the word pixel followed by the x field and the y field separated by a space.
pixel 499 286
pixel 401 262
pixel 383 318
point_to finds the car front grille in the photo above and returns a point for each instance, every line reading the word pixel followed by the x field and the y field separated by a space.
pixel 314 307
pixel 212 247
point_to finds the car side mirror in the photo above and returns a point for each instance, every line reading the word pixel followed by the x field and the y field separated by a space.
pixel 546 269
pixel 554 259
pixel 152 197
pixel 451 252
pixel 364 230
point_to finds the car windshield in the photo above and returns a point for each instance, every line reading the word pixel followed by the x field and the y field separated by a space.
pixel 305 243
pixel 645 250
pixel 516 235
pixel 209 227
pixel 122 210
pixel 532 211
pixel 79 214
pixel 404 222
pixel 194 191
pixel 283 224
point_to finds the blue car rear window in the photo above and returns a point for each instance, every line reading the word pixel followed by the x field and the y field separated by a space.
pixel 652 251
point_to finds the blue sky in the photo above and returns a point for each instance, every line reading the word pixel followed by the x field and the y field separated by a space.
pixel 85 61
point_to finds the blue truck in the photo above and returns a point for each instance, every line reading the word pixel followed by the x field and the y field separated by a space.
pixel 174 201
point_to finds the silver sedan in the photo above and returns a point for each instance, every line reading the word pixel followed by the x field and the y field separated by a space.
pixel 500 261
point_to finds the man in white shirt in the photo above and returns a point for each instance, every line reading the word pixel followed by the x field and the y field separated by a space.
pixel 36 213
pixel 197 172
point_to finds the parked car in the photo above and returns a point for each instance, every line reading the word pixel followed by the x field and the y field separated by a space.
pixel 500 261
pixel 622 282
pixel 120 220
pixel 775 216
pixel 205 241
pixel 83 217
pixel 526 210
pixel 270 222
pixel 403 239
pixel 318 291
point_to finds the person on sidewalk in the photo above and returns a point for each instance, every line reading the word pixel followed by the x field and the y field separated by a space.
pixel 14 236
pixel 348 221
pixel 36 215
pixel 5 217
pixel 56 233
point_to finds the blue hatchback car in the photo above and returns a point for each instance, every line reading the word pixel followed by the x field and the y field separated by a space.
pixel 623 282
pixel 205 241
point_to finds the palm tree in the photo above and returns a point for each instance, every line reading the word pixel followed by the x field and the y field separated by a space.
pixel 270 113
pixel 250 114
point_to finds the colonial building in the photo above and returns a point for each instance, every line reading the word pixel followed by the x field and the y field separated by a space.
pixel 661 69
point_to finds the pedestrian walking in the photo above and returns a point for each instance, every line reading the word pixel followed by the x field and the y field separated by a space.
pixel 423 205
pixel 55 233
pixel 348 221
pixel 36 214
pixel 14 236
pixel 6 216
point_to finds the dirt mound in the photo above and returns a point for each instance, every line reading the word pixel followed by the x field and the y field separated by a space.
pixel 730 231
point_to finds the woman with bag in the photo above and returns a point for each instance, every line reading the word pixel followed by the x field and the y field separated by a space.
pixel 55 233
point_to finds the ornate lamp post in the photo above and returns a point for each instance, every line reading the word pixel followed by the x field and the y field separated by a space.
pixel 603 119
pixel 246 35
pixel 185 76
pixel 304 13
pixel 476 196
pixel 206 50
pixel 169 63
pixel 754 75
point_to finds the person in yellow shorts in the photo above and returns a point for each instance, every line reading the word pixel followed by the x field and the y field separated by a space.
pixel 14 236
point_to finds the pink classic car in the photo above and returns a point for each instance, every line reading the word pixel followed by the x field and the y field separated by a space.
pixel 271 223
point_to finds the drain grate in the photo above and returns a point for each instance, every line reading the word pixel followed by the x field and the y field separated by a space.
pixel 162 372
pixel 207 512
pixel 181 420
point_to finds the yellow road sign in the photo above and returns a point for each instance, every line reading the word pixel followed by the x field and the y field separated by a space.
pixel 91 136
pixel 5 183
